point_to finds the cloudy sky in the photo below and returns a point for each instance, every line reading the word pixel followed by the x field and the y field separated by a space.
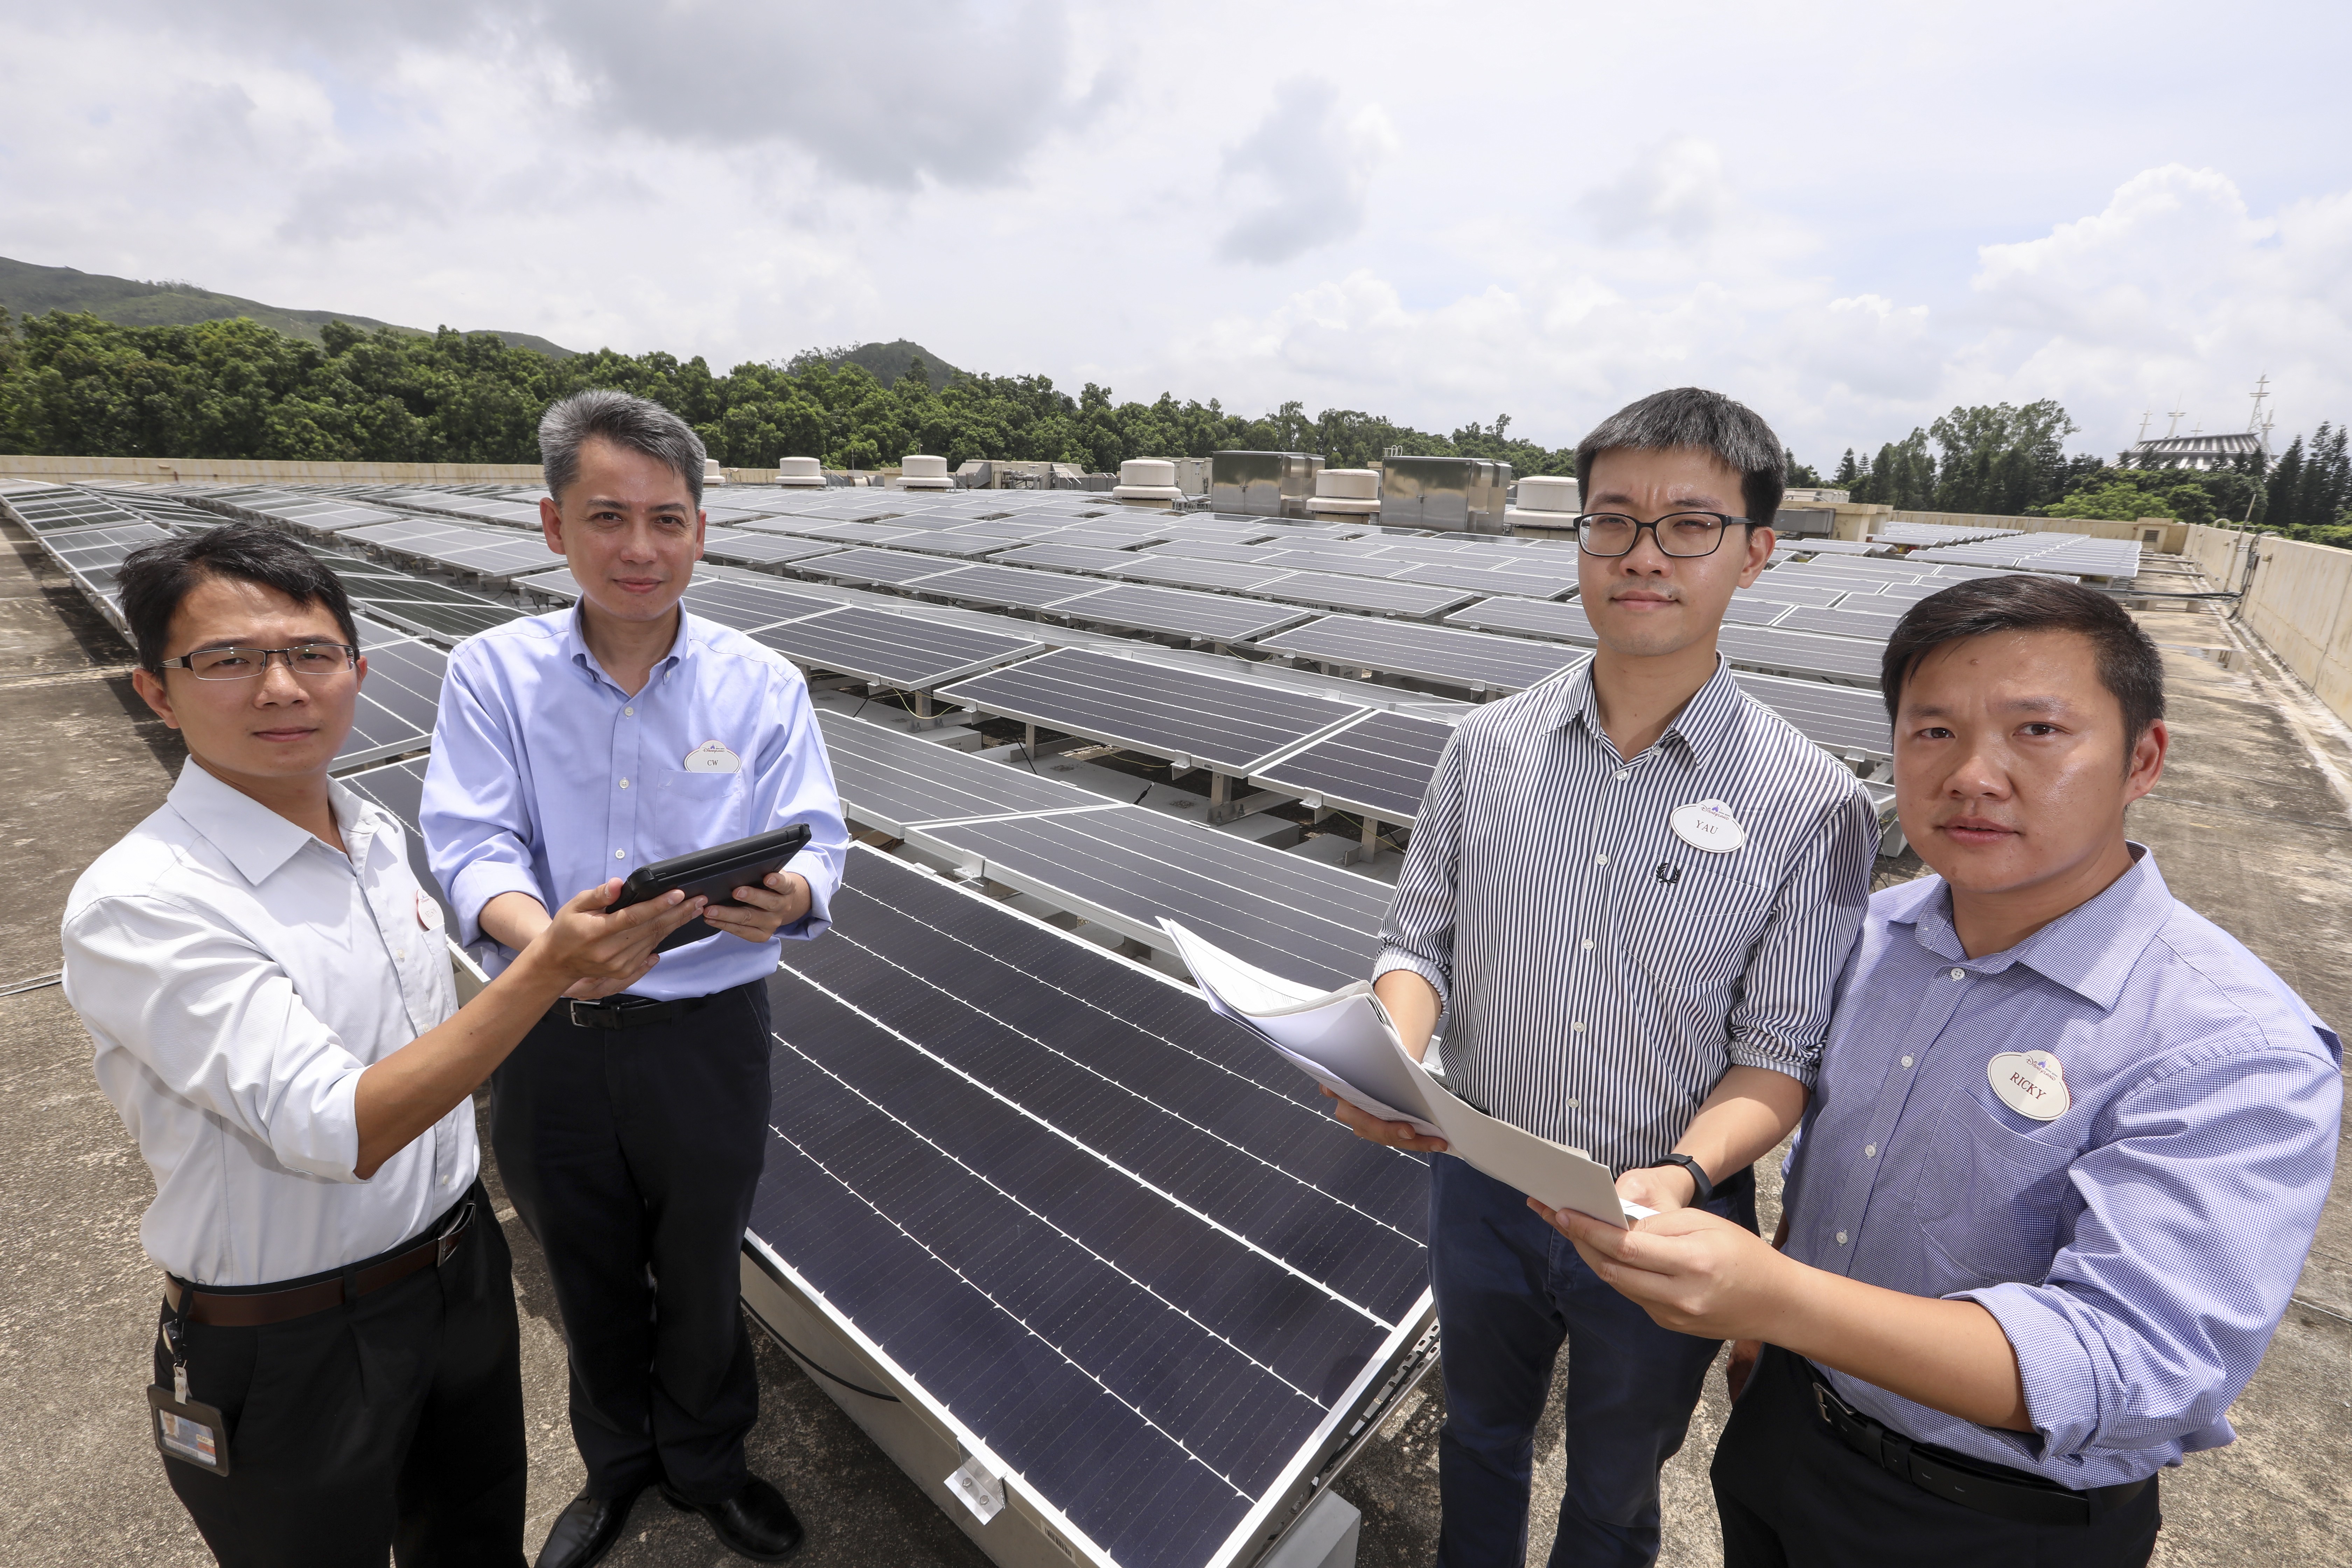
pixel 1853 216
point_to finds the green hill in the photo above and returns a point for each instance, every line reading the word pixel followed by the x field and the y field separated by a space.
pixel 29 291
pixel 885 363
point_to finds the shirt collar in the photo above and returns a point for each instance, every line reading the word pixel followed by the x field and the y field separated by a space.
pixel 575 646
pixel 1702 726
pixel 252 837
pixel 2090 948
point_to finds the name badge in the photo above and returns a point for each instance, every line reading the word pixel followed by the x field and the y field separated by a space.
pixel 2030 1083
pixel 428 913
pixel 1708 824
pixel 710 757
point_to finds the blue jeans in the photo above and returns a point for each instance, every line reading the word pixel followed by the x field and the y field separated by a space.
pixel 1509 1288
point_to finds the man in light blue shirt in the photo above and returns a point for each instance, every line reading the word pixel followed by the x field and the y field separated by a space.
pixel 2065 1161
pixel 631 1128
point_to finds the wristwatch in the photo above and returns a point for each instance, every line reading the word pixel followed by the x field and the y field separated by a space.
pixel 1697 1175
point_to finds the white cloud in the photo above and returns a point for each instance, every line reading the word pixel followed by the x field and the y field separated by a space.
pixel 1304 173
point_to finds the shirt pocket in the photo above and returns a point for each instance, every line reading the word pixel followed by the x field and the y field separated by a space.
pixel 689 812
pixel 1688 918
pixel 1990 1195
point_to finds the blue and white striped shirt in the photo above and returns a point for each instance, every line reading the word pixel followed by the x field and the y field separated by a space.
pixel 2139 1249
pixel 1599 976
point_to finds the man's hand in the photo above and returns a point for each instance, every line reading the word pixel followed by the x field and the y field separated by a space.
pixel 781 898
pixel 605 953
pixel 1395 1134
pixel 1691 1271
pixel 1660 1187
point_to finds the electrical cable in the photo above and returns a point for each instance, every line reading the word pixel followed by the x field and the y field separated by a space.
pixel 802 1356
pixel 33 983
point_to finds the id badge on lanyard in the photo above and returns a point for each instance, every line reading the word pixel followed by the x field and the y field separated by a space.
pixel 184 1430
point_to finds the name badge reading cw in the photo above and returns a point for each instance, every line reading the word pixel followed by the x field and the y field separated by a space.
pixel 710 757
pixel 1708 824
pixel 2030 1083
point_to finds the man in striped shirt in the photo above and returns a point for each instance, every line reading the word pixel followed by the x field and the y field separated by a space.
pixel 1629 894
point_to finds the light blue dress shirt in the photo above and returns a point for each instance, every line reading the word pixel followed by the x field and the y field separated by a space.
pixel 546 778
pixel 2139 1250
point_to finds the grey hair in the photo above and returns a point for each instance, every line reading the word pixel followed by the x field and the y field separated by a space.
pixel 1693 416
pixel 602 414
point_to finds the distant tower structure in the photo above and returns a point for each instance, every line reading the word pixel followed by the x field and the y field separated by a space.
pixel 2198 450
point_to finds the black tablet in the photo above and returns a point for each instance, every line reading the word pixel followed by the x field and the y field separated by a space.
pixel 714 874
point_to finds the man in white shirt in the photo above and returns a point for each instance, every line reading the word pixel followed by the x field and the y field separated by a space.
pixel 269 987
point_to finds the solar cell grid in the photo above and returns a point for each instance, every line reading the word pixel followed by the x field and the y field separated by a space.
pixel 1845 720
pixel 903 651
pixel 1009 586
pixel 1755 612
pixel 1065 557
pixel 941 542
pixel 1212 550
pixel 1348 562
pixel 745 605
pixel 1780 590
pixel 1490 580
pixel 1778 652
pixel 1178 612
pixel 865 566
pixel 1190 574
pixel 1210 720
pixel 1845 621
pixel 1370 595
pixel 1379 766
pixel 399 788
pixel 396 702
pixel 1527 618
pixel 892 780
pixel 1474 659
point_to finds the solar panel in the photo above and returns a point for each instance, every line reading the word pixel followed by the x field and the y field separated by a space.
pixel 1781 589
pixel 904 651
pixel 861 532
pixel 43 512
pixel 1377 767
pixel 1527 618
pixel 484 551
pixel 739 546
pixel 1125 866
pixel 1180 612
pixel 1209 721
pixel 93 556
pixel 1777 651
pixel 435 610
pixel 1749 610
pixel 1212 550
pixel 1490 580
pixel 399 788
pixel 1473 659
pixel 397 703
pixel 1105 538
pixel 1348 561
pixel 1370 596
pixel 1845 621
pixel 1845 720
pixel 1097 1232
pixel 943 542
pixel 1067 557
pixel 745 605
pixel 1228 574
pixel 891 780
pixel 1006 586
pixel 864 565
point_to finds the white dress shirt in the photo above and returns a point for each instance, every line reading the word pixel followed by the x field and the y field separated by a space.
pixel 238 974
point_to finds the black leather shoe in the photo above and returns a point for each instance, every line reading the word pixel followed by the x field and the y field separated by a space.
pixel 586 1530
pixel 756 1522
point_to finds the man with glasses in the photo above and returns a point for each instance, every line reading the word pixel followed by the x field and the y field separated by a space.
pixel 337 1369
pixel 1628 894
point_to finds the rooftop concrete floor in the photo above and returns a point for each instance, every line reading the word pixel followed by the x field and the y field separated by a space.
pixel 2252 825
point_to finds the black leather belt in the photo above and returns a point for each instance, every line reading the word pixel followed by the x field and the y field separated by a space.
pixel 626 1011
pixel 257 1306
pixel 1972 1483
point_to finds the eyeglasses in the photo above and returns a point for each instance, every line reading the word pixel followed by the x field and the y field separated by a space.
pixel 315 659
pixel 1681 534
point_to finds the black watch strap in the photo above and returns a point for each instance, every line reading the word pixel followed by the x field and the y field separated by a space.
pixel 1706 1192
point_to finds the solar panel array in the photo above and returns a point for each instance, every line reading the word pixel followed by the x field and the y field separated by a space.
pixel 2113 559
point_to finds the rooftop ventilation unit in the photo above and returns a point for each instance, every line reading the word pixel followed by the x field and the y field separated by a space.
pixel 917 471
pixel 1344 493
pixel 1150 483
pixel 800 473
pixel 1452 494
pixel 1545 501
pixel 712 474
pixel 1263 484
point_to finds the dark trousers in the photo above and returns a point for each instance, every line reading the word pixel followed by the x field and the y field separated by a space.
pixel 393 1425
pixel 1510 1290
pixel 632 1155
pixel 1791 1492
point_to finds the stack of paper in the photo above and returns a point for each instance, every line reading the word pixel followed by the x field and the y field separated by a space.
pixel 1345 1040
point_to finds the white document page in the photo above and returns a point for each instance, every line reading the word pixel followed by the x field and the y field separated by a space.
pixel 1345 1041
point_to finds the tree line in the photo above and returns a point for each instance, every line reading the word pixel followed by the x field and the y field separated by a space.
pixel 75 385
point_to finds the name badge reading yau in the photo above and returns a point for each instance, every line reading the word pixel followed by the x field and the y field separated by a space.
pixel 1708 824
pixel 2030 1083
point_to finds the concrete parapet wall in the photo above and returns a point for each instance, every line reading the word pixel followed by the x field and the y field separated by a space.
pixel 2171 540
pixel 258 470
pixel 2299 603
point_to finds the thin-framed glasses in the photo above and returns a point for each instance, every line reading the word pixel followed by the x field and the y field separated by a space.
pixel 316 659
pixel 1679 533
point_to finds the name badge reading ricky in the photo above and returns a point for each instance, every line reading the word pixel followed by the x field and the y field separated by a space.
pixel 2030 1083
pixel 1708 824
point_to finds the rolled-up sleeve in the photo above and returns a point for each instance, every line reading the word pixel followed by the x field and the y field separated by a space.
pixel 1782 1014
pixel 2156 1311
pixel 217 1022
pixel 476 808
pixel 795 784
pixel 1418 934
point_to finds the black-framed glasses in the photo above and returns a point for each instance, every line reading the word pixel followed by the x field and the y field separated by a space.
pixel 1679 533
pixel 315 659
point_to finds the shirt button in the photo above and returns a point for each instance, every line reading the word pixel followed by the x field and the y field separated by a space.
pixel 624 784
pixel 1870 1151
pixel 1624 773
pixel 1601 859
pixel 1959 974
pixel 620 854
pixel 1571 1105
pixel 628 713
pixel 445 1181
pixel 1907 1062
pixel 1840 1238
pixel 1588 944
pixel 1577 1027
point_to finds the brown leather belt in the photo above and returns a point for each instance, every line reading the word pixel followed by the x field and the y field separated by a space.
pixel 253 1309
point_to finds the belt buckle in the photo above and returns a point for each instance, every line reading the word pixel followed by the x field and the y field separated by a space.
pixel 1822 1402
pixel 584 1014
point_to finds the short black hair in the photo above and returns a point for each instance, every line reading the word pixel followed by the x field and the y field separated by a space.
pixel 2129 666
pixel 154 580
pixel 1708 421
pixel 636 424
